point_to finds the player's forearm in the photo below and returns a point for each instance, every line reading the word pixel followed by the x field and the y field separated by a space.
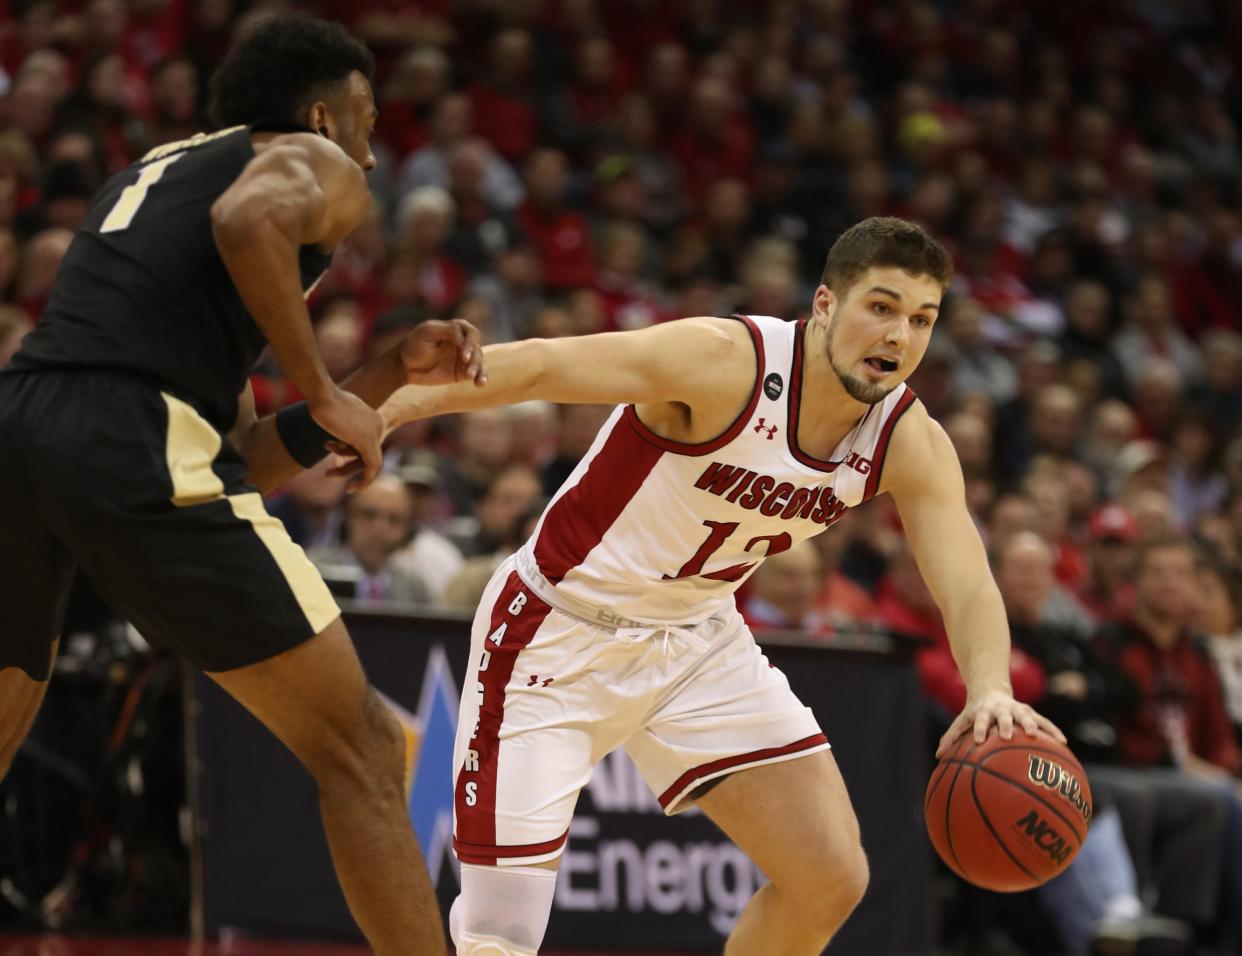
pixel 979 638
pixel 262 260
pixel 269 464
pixel 514 373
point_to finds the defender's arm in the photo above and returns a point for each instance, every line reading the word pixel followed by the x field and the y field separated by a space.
pixel 434 351
pixel 300 191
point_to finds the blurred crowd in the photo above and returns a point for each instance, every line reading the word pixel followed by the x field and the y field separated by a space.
pixel 562 167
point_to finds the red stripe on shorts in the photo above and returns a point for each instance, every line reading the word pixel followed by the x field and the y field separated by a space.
pixel 695 774
pixel 476 822
pixel 577 521
pixel 491 855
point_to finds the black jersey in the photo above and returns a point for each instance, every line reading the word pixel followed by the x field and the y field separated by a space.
pixel 143 290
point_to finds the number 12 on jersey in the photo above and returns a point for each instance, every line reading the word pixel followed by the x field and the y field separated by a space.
pixel 122 212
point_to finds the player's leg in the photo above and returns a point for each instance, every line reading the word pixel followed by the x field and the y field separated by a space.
pixel 20 697
pixel 36 573
pixel 178 543
pixel 539 707
pixel 315 699
pixel 731 720
pixel 502 910
pixel 795 821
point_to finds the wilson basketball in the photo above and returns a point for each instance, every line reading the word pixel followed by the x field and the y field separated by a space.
pixel 1008 815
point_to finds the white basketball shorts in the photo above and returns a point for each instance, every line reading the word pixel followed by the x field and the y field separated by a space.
pixel 547 695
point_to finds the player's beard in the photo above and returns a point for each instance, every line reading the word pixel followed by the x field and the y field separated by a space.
pixel 869 393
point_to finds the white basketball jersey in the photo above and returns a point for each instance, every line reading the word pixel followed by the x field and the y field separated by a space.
pixel 651 531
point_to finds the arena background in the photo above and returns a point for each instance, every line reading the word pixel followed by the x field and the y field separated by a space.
pixel 561 167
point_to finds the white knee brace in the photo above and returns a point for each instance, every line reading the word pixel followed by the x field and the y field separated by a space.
pixel 502 910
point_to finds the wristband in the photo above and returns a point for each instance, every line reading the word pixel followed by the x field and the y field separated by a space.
pixel 302 436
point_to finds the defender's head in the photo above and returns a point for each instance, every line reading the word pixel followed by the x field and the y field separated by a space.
pixel 297 69
pixel 878 299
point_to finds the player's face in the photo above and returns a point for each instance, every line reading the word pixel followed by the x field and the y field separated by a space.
pixel 878 330
pixel 355 116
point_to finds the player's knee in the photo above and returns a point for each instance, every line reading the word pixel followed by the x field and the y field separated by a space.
pixel 502 911
pixel 853 877
pixel 840 882
pixel 365 749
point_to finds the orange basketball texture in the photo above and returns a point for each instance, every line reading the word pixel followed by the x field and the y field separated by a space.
pixel 1008 815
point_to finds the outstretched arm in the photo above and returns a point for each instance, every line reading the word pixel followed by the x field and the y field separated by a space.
pixel 690 362
pixel 924 476
pixel 433 352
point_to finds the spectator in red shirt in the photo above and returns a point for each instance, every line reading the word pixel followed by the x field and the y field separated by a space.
pixel 561 236
pixel 906 606
pixel 1179 721
pixel 174 101
pixel 419 273
pixel 1108 592
pixel 716 140
pixel 582 114
pixel 628 302
pixel 419 79
pixel 504 110
pixel 1181 718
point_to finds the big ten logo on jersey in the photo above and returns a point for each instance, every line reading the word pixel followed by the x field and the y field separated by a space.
pixel 496 638
pixel 858 463
pixel 771 498
pixel 625 857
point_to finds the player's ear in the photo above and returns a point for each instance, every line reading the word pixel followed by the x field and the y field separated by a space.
pixel 318 119
pixel 824 305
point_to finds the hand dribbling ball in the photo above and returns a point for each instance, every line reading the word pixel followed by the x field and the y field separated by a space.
pixel 1008 815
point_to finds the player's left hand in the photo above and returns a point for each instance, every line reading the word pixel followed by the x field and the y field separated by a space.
pixel 996 707
pixel 440 353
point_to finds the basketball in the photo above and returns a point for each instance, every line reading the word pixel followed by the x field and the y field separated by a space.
pixel 1008 815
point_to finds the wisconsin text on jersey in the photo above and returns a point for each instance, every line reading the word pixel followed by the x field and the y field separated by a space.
pixel 751 490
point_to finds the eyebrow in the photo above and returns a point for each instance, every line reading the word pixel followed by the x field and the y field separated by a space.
pixel 897 295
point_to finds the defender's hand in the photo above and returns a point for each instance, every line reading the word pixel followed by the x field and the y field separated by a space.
pixel 997 707
pixel 440 353
pixel 356 425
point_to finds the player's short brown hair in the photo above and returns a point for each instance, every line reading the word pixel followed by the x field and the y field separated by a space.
pixel 885 241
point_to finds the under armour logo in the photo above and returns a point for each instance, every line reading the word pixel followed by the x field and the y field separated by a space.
pixel 770 429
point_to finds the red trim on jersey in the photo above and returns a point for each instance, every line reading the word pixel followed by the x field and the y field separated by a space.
pixel 694 775
pixel 734 429
pixel 476 825
pixel 795 402
pixel 881 444
pixel 491 855
pixel 578 520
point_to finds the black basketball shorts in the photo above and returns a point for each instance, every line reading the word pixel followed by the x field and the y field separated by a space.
pixel 109 473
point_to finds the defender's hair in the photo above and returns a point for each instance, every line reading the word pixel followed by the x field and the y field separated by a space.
pixel 282 67
pixel 885 241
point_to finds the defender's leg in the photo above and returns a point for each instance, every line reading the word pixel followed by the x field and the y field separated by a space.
pixel 315 699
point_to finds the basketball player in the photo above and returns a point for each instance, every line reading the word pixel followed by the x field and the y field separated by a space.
pixel 615 625
pixel 130 446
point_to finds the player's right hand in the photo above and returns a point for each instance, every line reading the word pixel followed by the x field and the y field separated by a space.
pixel 356 424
